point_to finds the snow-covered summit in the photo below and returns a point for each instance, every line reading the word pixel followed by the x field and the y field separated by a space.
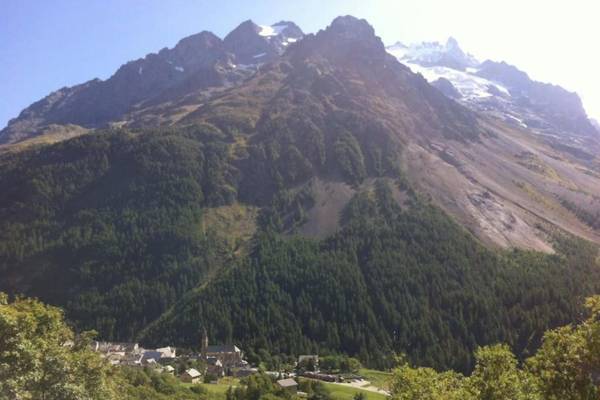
pixel 496 88
pixel 448 62
pixel 272 30
pixel 284 29
pixel 434 54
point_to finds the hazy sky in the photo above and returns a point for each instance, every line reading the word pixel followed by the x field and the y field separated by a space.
pixel 45 45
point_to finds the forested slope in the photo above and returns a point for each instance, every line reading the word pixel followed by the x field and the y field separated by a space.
pixel 392 280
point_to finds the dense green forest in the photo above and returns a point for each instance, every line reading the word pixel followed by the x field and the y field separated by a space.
pixel 42 358
pixel 565 367
pixel 107 225
pixel 392 280
pixel 110 226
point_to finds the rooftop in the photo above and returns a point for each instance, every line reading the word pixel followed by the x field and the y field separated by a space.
pixel 193 373
pixel 287 383
pixel 223 348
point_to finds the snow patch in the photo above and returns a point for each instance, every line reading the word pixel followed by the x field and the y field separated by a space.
pixel 273 30
pixel 430 53
pixel 517 120
pixel 259 55
pixel 180 69
pixel 140 70
pixel 471 87
pixel 398 50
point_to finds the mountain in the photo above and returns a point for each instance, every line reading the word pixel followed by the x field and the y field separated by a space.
pixel 327 200
pixel 252 43
pixel 430 54
pixel 561 108
pixel 503 91
pixel 198 63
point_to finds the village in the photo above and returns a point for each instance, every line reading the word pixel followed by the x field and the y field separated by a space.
pixel 214 362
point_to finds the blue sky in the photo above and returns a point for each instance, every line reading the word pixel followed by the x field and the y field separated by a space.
pixel 45 45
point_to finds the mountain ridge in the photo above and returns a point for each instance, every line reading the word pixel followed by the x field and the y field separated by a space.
pixel 505 91
pixel 197 62
pixel 330 200
pixel 213 75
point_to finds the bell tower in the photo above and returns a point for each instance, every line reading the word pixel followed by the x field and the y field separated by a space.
pixel 203 343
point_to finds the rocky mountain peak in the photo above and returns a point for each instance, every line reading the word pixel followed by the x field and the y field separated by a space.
pixel 452 43
pixel 504 73
pixel 288 29
pixel 200 41
pixel 349 27
pixel 253 44
pixel 349 38
pixel 246 28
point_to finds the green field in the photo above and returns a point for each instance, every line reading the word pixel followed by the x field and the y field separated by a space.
pixel 217 391
pixel 340 392
pixel 380 379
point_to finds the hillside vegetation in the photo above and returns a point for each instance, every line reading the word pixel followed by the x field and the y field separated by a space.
pixel 392 280
pixel 154 234
pixel 42 358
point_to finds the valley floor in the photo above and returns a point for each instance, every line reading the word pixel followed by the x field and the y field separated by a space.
pixel 375 387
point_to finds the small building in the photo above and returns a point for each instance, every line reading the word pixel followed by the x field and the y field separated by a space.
pixel 229 355
pixel 245 371
pixel 167 352
pixel 191 376
pixel 151 355
pixel 169 369
pixel 110 347
pixel 214 366
pixel 132 359
pixel 151 362
pixel 289 385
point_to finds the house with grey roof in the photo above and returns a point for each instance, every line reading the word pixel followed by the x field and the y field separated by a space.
pixel 289 385
pixel 191 376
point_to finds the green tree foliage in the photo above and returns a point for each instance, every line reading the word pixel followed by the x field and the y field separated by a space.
pixel 262 387
pixel 565 367
pixel 315 390
pixel 339 363
pixel 568 362
pixel 116 216
pixel 497 377
pixel 427 384
pixel 147 384
pixel 41 358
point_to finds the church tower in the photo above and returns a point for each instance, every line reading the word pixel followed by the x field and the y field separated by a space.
pixel 203 344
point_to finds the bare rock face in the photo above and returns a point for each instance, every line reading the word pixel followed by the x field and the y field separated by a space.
pixel 561 107
pixel 447 88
